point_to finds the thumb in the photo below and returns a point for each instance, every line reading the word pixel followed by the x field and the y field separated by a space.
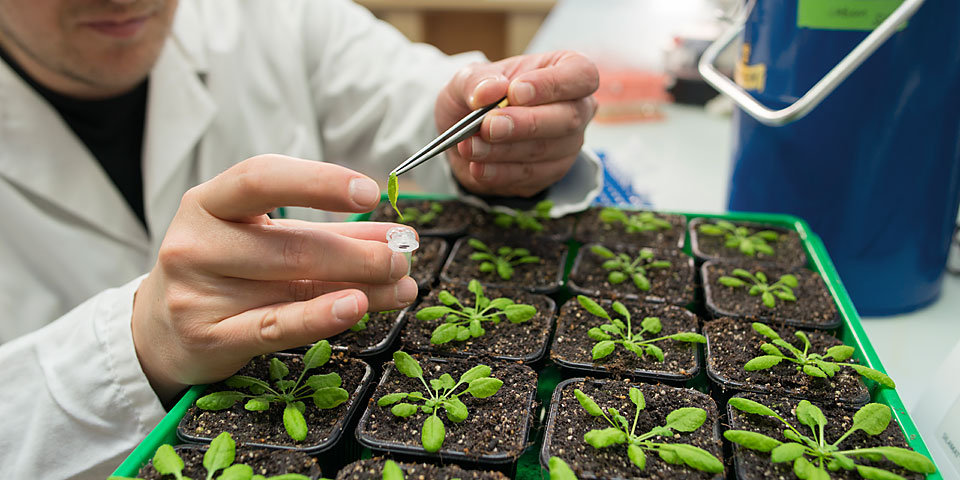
pixel 479 85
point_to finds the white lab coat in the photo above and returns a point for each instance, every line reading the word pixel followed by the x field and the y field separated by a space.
pixel 316 79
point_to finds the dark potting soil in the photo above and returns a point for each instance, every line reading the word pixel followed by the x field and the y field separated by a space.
pixel 591 230
pixel 373 470
pixel 542 277
pixel 572 345
pixel 731 343
pixel 375 337
pixel 756 465
pixel 496 426
pixel 674 285
pixel 425 263
pixel 267 427
pixel 787 250
pixel 452 221
pixel 560 229
pixel 814 307
pixel 266 462
pixel 564 436
pixel 525 341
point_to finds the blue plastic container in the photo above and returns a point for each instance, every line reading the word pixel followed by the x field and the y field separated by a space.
pixel 875 168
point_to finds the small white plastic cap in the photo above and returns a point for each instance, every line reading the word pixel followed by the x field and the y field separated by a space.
pixel 402 239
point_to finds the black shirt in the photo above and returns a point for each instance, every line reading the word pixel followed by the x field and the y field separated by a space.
pixel 112 129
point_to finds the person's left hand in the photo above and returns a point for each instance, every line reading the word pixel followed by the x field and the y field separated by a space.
pixel 532 143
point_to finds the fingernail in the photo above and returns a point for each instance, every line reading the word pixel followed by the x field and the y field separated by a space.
pixel 501 126
pixel 364 191
pixel 399 265
pixel 406 291
pixel 477 88
pixel 346 309
pixel 479 148
pixel 523 92
pixel 489 171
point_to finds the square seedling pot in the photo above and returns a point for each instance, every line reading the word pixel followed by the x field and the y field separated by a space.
pixel 590 229
pixel 266 461
pixel 524 342
pixel 373 342
pixel 674 284
pixel 425 263
pixel 492 437
pixel 753 465
pixel 814 306
pixel 265 429
pixel 372 469
pixel 545 277
pixel 788 251
pixel 568 422
pixel 572 347
pixel 483 224
pixel 731 343
pixel 451 222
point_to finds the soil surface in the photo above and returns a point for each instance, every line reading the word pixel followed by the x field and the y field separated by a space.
pixel 559 229
pixel 591 230
pixel 572 345
pixel 543 277
pixel 425 263
pixel 731 343
pixel 452 221
pixel 788 251
pixel 564 438
pixel 373 470
pixel 496 426
pixel 674 285
pixel 814 307
pixel 382 329
pixel 525 341
pixel 756 465
pixel 264 461
pixel 267 427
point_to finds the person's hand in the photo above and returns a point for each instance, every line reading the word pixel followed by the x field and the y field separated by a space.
pixel 532 143
pixel 231 283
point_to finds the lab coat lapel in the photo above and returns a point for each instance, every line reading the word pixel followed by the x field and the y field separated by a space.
pixel 42 156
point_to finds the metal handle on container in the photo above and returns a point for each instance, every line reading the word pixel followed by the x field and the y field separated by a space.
pixel 820 90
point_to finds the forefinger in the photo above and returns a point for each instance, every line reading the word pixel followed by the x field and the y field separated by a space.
pixel 570 77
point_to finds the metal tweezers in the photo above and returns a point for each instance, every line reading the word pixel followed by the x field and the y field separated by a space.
pixel 459 132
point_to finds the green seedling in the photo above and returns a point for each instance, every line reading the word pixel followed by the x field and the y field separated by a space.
pixel 439 394
pixel 638 222
pixel 526 220
pixel 323 389
pixel 812 456
pixel 502 261
pixel 462 323
pixel 393 191
pixel 411 215
pixel 218 458
pixel 782 288
pixel 392 471
pixel 741 238
pixel 622 267
pixel 634 342
pixel 813 364
pixel 686 419
pixel 559 470
pixel 361 325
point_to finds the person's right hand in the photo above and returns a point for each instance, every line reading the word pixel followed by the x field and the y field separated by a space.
pixel 231 283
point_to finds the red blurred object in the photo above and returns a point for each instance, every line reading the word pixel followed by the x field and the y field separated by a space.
pixel 630 96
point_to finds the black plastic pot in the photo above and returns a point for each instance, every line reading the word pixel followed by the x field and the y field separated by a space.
pixel 788 251
pixel 147 471
pixel 558 410
pixel 553 257
pixel 378 351
pixel 591 230
pixel 815 307
pixel 556 229
pixel 451 223
pixel 675 285
pixel 372 469
pixel 505 461
pixel 573 323
pixel 426 275
pixel 336 448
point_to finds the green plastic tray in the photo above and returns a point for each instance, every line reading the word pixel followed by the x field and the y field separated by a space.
pixel 851 333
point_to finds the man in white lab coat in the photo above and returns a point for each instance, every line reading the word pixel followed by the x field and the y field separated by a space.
pixel 130 222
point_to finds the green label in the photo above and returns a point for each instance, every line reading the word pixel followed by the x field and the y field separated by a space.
pixel 844 14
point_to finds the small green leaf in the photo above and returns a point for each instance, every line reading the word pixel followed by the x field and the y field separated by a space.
pixel 504 270
pixel 765 331
pixel 294 423
pixel 329 397
pixel 686 419
pixel 219 400
pixel 751 440
pixel 519 313
pixel 697 458
pixel 636 396
pixel 768 299
pixel 445 333
pixel 446 298
pixel 475 287
pixel 667 454
pixel 621 309
pixel 588 403
pixel 427 314
pixel 559 470
pixel 278 369
pixel 592 307
pixel 257 405
pixel 814 371
pixel 605 437
pixel 651 324
pixel 392 471
pixel 908 459
pixel 316 382
pixel 789 280
pixel 872 418
pixel 432 434
pixel 475 329
pixel 407 365
pixel 167 462
pixel 711 230
pixel 390 399
pixel 840 352
pixel 874 473
pixel 318 355
pixel 739 272
pixel 872 374
pixel 636 456
pixel 480 371
pixel 484 387
pixel 286 385
pixel 810 415
pixel 785 296
pixel 786 452
pixel 731 282
pixel 616 278
pixel 456 410
pixel 762 277
pixel 749 406
pixel 403 410
pixel 463 333
pixel 641 282
pixel 243 381
pixel 771 350
pixel 393 191
pixel 602 349
pixel 597 334
pixel 447 381
pixel 689 337
pixel 236 472
pixel 655 351
pixel 601 251
pixel 762 362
